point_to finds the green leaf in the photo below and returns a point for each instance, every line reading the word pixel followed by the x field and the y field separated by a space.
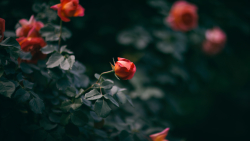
pixel 91 93
pixel 47 125
pixel 95 97
pixel 70 91
pixel 26 68
pixel 107 84
pixel 28 84
pixel 8 42
pixel 125 136
pixel 101 108
pixel 1 72
pixel 36 105
pixel 66 105
pixel 63 49
pixel 121 97
pixel 55 73
pixel 79 93
pixel 62 83
pixel 65 64
pixel 78 68
pixel 54 60
pixel 111 99
pixel 48 49
pixel 79 118
pixel 7 88
pixel 71 60
pixel 21 95
pixel 25 55
pixel 129 101
pixel 65 119
pixel 54 118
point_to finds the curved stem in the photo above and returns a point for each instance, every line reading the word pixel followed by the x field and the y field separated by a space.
pixel 60 35
pixel 95 82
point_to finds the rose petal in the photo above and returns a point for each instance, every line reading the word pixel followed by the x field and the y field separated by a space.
pixel 62 15
pixel 55 7
pixel 79 11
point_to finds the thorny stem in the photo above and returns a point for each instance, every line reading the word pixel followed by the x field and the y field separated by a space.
pixel 60 35
pixel 95 82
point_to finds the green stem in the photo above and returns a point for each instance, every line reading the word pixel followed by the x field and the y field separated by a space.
pixel 60 35
pixel 95 82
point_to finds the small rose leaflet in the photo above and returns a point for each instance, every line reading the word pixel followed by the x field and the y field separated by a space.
pixel 68 8
pixel 160 136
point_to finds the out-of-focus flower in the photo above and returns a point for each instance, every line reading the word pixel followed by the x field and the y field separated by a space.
pixel 160 136
pixel 124 68
pixel 2 28
pixel 215 41
pixel 26 26
pixel 68 8
pixel 183 16
pixel 33 43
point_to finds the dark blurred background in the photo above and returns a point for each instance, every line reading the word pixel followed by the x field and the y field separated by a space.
pixel 200 97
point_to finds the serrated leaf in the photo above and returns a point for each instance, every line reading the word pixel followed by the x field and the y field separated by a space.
pixel 65 119
pixel 78 68
pixel 129 101
pixel 77 103
pixel 95 117
pixel 28 84
pixel 10 42
pixel 79 93
pixel 63 49
pixel 7 88
pixel 71 60
pixel 48 49
pixel 107 84
pixel 95 97
pixel 36 105
pixel 54 60
pixel 79 118
pixel 21 95
pixel 121 97
pixel 111 99
pixel 65 64
pixel 66 105
pixel 91 93
pixel 26 68
pixel 25 55
pixel 101 108
pixel 70 91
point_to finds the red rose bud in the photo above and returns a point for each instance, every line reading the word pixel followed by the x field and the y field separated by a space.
pixel 215 41
pixel 26 26
pixel 68 8
pixel 183 16
pixel 33 43
pixel 2 28
pixel 124 69
pixel 160 136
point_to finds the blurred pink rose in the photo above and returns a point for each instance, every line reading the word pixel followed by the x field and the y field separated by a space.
pixel 2 28
pixel 160 136
pixel 26 26
pixel 183 16
pixel 215 41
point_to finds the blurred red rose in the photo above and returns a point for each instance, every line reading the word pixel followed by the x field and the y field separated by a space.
pixel 160 136
pixel 33 43
pixel 124 69
pixel 215 41
pixel 68 8
pixel 26 26
pixel 2 28
pixel 183 16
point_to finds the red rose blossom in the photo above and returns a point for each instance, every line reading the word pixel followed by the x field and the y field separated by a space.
pixel 68 8
pixel 26 26
pixel 183 16
pixel 160 136
pixel 2 28
pixel 33 43
pixel 124 69
pixel 215 41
